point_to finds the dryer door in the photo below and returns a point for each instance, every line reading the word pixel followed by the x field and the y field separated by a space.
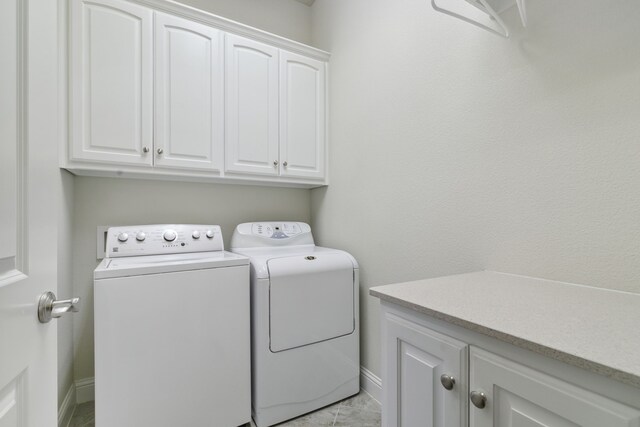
pixel 311 299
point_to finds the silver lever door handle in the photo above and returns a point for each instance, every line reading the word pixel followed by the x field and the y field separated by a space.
pixel 50 308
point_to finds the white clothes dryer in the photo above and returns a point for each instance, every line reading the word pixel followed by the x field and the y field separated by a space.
pixel 304 320
pixel 171 329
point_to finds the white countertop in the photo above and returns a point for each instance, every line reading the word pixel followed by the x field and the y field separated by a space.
pixel 595 329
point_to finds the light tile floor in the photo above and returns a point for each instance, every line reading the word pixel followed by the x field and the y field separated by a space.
pixel 357 411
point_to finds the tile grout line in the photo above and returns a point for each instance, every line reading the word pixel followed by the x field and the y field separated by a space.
pixel 337 412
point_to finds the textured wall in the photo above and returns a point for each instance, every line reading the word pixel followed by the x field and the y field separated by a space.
pixel 454 150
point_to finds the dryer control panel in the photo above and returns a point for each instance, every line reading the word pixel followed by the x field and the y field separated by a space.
pixel 276 233
pixel 136 240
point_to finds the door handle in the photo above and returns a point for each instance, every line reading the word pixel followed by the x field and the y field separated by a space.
pixel 50 308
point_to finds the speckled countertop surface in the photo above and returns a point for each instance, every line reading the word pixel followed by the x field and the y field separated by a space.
pixel 595 329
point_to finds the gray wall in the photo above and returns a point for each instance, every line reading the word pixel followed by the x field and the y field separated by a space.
pixel 104 201
pixel 454 150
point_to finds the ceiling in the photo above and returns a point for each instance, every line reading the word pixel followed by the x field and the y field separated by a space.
pixel 307 2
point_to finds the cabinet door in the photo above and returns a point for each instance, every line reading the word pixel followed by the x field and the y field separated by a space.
pixel 188 97
pixel 518 396
pixel 251 142
pixel 416 358
pixel 302 116
pixel 111 82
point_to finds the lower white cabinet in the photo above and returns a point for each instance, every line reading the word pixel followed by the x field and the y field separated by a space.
pixel 517 396
pixel 488 389
pixel 425 382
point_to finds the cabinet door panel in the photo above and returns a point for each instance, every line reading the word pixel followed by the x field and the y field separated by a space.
pixel 416 357
pixel 189 100
pixel 251 142
pixel 518 396
pixel 302 116
pixel 111 81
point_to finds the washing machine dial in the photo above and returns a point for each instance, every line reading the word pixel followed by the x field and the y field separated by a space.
pixel 170 235
pixel 141 236
pixel 123 237
pixel 210 234
pixel 195 234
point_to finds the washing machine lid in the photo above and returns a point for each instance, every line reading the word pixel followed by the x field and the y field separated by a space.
pixel 311 298
pixel 154 264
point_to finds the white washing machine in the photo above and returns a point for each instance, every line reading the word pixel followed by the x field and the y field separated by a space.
pixel 172 333
pixel 304 320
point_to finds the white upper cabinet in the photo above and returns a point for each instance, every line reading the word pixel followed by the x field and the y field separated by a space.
pixel 252 107
pixel 189 99
pixel 302 116
pixel 111 82
pixel 518 396
pixel 166 90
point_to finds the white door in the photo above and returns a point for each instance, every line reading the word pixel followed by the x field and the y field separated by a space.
pixel 111 82
pixel 302 116
pixel 415 393
pixel 251 141
pixel 518 396
pixel 189 94
pixel 28 179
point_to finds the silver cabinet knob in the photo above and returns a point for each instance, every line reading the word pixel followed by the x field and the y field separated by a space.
pixel 478 398
pixel 275 163
pixel 285 164
pixel 50 308
pixel 145 149
pixel 160 151
pixel 447 381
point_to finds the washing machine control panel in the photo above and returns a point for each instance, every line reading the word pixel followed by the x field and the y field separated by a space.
pixel 276 233
pixel 135 240
pixel 276 230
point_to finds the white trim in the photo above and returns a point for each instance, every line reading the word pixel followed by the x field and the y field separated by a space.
pixel 188 12
pixel 371 384
pixel 85 390
pixel 66 409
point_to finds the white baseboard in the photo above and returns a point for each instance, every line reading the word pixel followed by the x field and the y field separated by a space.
pixel 65 411
pixel 85 390
pixel 371 383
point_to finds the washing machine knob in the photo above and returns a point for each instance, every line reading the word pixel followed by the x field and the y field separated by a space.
pixel 141 236
pixel 195 234
pixel 170 235
pixel 210 234
pixel 123 237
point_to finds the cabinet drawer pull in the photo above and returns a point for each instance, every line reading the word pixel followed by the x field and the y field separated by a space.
pixel 160 151
pixel 285 164
pixel 478 398
pixel 145 149
pixel 447 381
pixel 275 163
